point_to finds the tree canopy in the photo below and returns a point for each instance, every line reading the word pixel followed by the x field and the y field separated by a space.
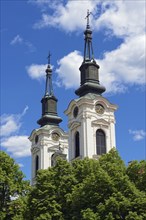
pixel 83 189
pixel 12 189
pixel 90 190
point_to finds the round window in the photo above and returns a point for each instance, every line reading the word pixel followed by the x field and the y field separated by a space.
pixel 99 109
pixel 55 136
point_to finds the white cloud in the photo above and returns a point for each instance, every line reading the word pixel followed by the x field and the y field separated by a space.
pixel 68 72
pixel 137 134
pixel 119 68
pixel 17 40
pixel 18 146
pixel 69 17
pixel 36 71
pixel 124 66
pixel 45 4
pixel 123 18
pixel 11 123
pixel 110 14
pixel 24 111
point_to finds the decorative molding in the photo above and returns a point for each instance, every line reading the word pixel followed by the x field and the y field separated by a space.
pixel 101 122
pixel 74 125
pixel 34 150
pixel 112 121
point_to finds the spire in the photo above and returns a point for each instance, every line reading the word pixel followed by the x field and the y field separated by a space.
pixel 49 87
pixel 88 49
pixel 49 101
pixel 89 70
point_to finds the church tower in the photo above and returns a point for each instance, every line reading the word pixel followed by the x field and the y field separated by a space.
pixel 91 119
pixel 49 141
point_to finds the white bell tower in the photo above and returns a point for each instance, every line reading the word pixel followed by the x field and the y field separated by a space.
pixel 91 124
pixel 49 141
pixel 91 119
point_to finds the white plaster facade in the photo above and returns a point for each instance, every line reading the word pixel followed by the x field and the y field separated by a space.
pixel 44 145
pixel 87 122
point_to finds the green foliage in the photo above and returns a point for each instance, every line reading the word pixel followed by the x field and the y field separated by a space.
pixel 12 189
pixel 89 189
pixel 84 189
pixel 137 174
pixel 52 190
pixel 88 214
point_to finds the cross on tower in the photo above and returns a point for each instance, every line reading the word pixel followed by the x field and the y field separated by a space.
pixel 49 86
pixel 87 17
pixel 49 57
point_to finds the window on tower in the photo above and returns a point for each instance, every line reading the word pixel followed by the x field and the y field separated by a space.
pixel 100 142
pixel 77 144
pixel 36 164
pixel 53 160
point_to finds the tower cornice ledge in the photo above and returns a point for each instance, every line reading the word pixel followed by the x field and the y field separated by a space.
pixel 90 87
pixel 49 120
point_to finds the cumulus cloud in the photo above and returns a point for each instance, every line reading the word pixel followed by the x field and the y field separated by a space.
pixel 115 16
pixel 18 146
pixel 137 134
pixel 69 17
pixel 124 66
pixel 36 71
pixel 119 68
pixel 110 14
pixel 11 123
pixel 68 71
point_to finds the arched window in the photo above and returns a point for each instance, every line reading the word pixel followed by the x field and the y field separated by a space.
pixel 77 144
pixel 100 142
pixel 36 164
pixel 52 160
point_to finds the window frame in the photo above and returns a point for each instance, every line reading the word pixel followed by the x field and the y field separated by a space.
pixel 100 142
pixel 77 144
pixel 36 164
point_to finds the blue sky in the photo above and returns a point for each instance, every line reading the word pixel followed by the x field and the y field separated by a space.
pixel 30 29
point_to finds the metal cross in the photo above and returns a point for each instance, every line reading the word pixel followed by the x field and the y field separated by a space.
pixel 87 17
pixel 49 57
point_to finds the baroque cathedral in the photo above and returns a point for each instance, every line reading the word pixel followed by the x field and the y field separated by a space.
pixel 91 120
